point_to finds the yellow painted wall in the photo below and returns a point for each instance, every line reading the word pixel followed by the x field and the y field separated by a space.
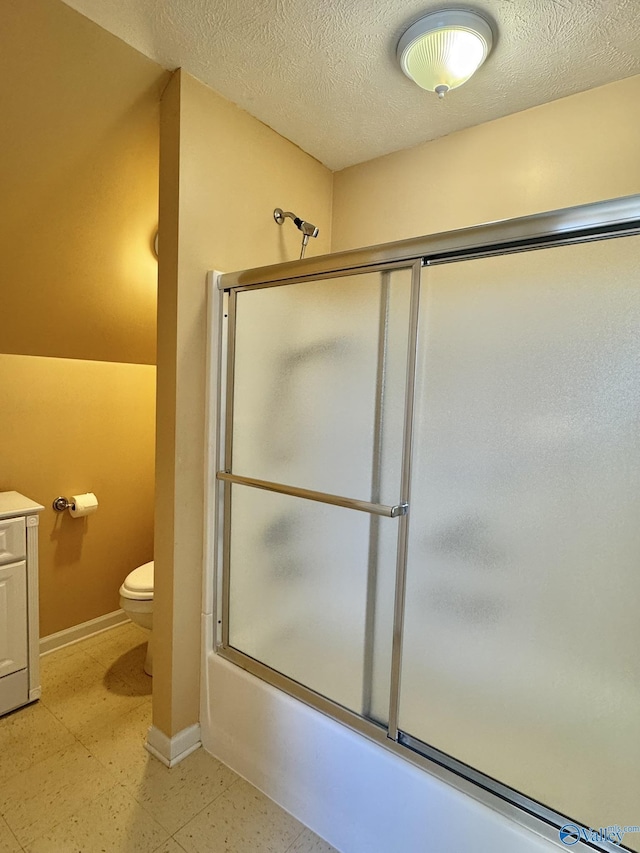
pixel 222 173
pixel 74 426
pixel 576 150
pixel 78 209
pixel 78 178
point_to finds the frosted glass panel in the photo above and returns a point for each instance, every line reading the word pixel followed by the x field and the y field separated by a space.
pixel 299 575
pixel 522 627
pixel 310 360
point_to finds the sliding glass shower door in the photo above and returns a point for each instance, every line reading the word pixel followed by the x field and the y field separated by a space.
pixel 318 408
pixel 432 504
pixel 521 622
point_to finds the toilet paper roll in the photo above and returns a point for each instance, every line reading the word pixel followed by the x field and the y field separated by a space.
pixel 83 504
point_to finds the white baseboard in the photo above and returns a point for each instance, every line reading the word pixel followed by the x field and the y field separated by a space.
pixel 82 631
pixel 172 750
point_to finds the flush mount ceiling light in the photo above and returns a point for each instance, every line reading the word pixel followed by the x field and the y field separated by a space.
pixel 443 49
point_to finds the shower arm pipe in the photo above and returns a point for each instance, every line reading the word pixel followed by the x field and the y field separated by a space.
pixel 307 228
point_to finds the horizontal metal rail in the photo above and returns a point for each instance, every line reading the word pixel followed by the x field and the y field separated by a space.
pixel 615 217
pixel 321 497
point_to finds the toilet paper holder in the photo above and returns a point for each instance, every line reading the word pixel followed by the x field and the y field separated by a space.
pixel 61 503
pixel 78 505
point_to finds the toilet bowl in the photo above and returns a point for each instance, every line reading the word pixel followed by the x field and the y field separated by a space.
pixel 136 599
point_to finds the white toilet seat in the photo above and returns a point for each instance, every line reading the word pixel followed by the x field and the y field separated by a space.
pixel 138 584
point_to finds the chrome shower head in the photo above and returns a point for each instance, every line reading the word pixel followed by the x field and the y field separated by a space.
pixel 307 228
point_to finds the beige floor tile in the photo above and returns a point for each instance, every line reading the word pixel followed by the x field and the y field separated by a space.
pixel 129 666
pixel 113 822
pixel 171 846
pixel 108 793
pixel 309 842
pixel 37 799
pixel 115 641
pixel 123 650
pixel 172 796
pixel 119 744
pixel 242 820
pixel 28 736
pixel 78 691
pixel 66 672
pixel 55 667
pixel 8 841
pixel 175 796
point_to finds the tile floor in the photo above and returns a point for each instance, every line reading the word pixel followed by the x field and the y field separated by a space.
pixel 75 777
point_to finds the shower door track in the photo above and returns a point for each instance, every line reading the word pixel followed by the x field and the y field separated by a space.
pixel 598 221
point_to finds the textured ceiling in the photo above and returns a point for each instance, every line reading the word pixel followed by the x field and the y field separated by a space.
pixel 323 73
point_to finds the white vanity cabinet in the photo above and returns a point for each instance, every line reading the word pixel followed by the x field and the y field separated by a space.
pixel 19 635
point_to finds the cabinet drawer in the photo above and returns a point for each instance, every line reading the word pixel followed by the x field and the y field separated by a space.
pixel 13 618
pixel 12 540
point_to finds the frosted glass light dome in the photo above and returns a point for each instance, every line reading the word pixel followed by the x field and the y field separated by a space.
pixel 442 50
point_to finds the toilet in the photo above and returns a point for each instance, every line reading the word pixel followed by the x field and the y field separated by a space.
pixel 136 599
